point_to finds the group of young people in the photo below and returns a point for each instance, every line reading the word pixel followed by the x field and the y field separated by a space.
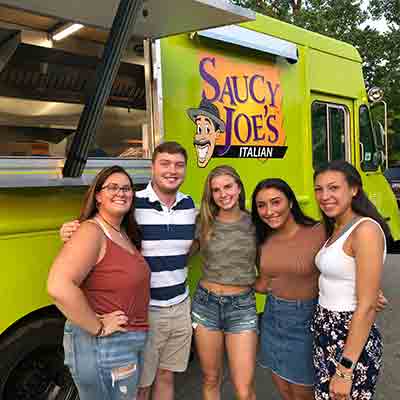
pixel 121 281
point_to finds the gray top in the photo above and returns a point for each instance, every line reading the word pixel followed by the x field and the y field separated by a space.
pixel 229 256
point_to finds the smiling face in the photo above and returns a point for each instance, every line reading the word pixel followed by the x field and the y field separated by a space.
pixel 168 172
pixel 273 207
pixel 205 139
pixel 116 196
pixel 334 195
pixel 225 192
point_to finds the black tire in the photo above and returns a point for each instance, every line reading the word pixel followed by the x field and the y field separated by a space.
pixel 32 363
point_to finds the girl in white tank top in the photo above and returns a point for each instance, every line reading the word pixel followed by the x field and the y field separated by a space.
pixel 337 282
pixel 347 343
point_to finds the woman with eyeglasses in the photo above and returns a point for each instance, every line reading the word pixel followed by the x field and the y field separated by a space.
pixel 101 283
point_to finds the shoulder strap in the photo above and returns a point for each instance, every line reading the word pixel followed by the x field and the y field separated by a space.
pixel 351 228
pixel 101 226
pixel 379 226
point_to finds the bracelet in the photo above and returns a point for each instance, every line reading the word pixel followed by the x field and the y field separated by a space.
pixel 343 375
pixel 100 331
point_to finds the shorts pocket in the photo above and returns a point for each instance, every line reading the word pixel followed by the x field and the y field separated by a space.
pixel 245 302
pixel 200 298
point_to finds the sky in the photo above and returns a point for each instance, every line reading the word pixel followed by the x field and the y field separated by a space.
pixel 379 25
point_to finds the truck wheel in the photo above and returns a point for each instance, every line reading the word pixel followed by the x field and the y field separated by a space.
pixel 32 363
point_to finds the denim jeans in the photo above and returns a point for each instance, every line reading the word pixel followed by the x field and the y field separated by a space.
pixel 106 368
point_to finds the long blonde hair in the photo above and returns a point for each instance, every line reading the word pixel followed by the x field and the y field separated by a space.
pixel 208 209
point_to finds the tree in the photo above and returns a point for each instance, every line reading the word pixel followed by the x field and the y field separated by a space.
pixel 388 9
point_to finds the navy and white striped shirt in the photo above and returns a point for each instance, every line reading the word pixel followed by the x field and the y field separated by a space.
pixel 167 236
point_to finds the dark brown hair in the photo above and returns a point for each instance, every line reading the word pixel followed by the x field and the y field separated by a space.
pixel 89 208
pixel 170 148
pixel 263 231
pixel 360 202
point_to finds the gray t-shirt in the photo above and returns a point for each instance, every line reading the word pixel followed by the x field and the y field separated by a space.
pixel 229 256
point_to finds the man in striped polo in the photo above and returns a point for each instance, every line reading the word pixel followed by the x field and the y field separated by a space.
pixel 167 219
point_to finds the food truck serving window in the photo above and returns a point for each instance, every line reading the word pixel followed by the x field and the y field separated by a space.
pixel 45 129
pixel 330 128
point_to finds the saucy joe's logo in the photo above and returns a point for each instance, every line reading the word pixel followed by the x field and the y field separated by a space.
pixel 240 112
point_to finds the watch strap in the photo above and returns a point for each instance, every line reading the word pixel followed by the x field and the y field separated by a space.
pixel 347 363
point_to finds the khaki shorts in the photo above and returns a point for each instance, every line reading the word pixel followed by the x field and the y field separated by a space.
pixel 169 341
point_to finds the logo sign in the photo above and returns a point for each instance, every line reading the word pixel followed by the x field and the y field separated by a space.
pixel 240 112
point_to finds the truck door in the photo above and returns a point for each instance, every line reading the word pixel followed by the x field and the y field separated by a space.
pixel 370 162
pixel 331 127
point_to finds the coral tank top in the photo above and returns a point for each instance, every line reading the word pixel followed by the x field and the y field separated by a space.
pixel 120 281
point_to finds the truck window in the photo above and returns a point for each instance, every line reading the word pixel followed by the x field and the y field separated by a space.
pixel 367 143
pixel 319 134
pixel 329 132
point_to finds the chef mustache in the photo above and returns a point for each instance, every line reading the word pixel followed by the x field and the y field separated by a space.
pixel 201 142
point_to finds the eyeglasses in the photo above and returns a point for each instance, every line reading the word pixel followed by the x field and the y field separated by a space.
pixel 113 189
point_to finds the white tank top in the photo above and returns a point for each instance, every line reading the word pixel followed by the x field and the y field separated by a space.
pixel 337 282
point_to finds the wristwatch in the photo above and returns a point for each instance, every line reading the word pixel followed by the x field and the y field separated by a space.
pixel 347 363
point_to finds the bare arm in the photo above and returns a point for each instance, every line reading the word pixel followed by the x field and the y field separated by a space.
pixel 70 268
pixel 369 266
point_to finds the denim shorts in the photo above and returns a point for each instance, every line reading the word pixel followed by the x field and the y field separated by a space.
pixel 228 313
pixel 106 368
pixel 286 343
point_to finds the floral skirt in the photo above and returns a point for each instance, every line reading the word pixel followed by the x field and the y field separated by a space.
pixel 330 329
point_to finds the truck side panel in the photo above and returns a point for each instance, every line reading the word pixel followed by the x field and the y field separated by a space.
pixel 29 241
pixel 183 87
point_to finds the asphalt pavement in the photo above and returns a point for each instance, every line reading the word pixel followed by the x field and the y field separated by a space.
pixel 188 384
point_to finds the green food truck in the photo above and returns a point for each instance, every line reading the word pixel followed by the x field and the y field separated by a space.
pixel 85 85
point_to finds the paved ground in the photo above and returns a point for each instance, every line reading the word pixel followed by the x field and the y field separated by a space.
pixel 188 384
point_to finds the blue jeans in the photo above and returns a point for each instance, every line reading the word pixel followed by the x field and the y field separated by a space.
pixel 106 368
pixel 227 313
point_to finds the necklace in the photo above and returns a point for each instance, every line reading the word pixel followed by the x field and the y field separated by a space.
pixel 112 226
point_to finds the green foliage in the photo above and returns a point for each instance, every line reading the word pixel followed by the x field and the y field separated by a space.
pixel 388 9
pixel 346 20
